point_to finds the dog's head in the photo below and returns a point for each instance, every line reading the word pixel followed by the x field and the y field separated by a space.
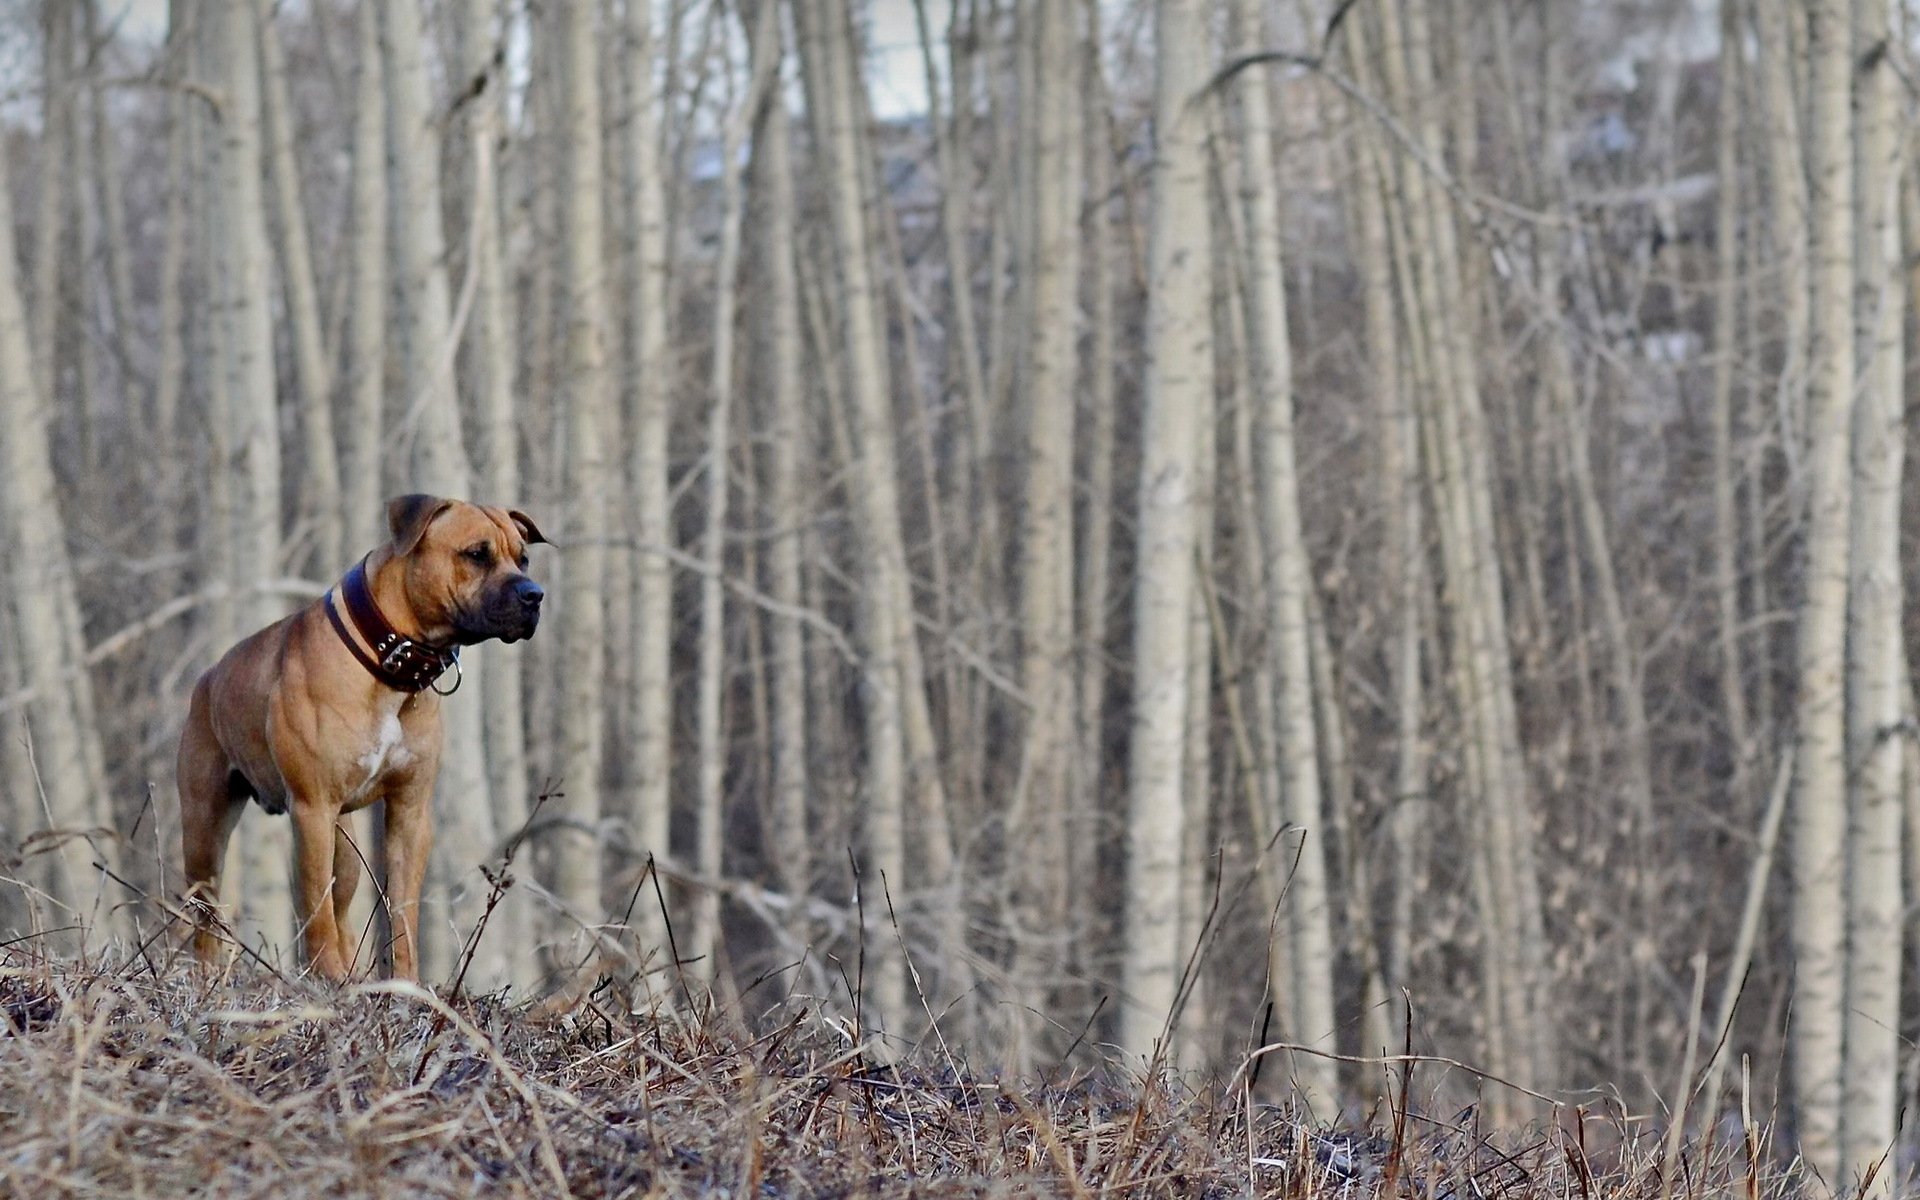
pixel 466 567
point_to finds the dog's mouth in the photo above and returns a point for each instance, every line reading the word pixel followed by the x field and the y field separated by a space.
pixel 506 621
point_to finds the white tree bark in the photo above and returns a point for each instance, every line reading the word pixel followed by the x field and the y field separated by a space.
pixel 588 414
pixel 40 593
pixel 1818 844
pixel 1037 818
pixel 785 436
pixel 1875 685
pixel 648 391
pixel 319 488
pixel 363 517
pixel 492 346
pixel 266 843
pixel 1310 938
pixel 1179 370
pixel 465 833
pixel 709 703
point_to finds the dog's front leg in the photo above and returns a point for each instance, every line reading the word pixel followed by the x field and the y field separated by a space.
pixel 313 838
pixel 409 837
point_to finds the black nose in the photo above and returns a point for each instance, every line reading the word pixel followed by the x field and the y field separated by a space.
pixel 530 593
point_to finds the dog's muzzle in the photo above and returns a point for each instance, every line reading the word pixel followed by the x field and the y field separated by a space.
pixel 513 611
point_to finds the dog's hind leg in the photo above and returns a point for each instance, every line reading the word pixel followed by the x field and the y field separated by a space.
pixel 210 806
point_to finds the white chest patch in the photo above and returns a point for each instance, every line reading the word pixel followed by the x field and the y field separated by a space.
pixel 387 751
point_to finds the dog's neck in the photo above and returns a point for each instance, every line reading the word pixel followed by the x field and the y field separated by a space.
pixel 391 653
pixel 387 585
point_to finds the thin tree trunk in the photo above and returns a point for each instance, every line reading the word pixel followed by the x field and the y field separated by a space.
pixel 362 516
pixel 1726 311
pixel 1309 928
pixel 577 852
pixel 1819 838
pixel 70 792
pixel 320 470
pixel 1041 792
pixel 709 705
pixel 1179 372
pixel 648 388
pixel 785 435
pixel 1787 181
pixel 498 468
pixel 1875 692
pixel 1095 582
pixel 268 845
pixel 465 833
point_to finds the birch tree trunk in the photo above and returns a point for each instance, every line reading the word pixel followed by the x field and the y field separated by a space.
pixel 710 828
pixel 886 614
pixel 265 842
pixel 576 851
pixel 1819 841
pixel 1726 302
pixel 1179 373
pixel 1037 820
pixel 1787 172
pixel 71 795
pixel 648 390
pixel 362 516
pixel 1875 683
pixel 319 488
pixel 1310 940
pixel 785 436
pixel 1520 1019
pixel 56 121
pixel 464 830
pixel 491 365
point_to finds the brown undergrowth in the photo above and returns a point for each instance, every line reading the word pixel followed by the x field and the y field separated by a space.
pixel 133 1080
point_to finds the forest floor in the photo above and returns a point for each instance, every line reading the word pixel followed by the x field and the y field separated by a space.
pixel 134 1080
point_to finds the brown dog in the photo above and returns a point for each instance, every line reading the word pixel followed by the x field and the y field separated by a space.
pixel 334 708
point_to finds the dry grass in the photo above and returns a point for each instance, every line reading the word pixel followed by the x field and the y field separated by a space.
pixel 128 1080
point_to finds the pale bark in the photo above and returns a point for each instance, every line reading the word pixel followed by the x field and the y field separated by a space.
pixel 1402 556
pixel 648 399
pixel 1037 819
pixel 266 844
pixel 497 472
pixel 1818 842
pixel 56 120
pixel 1520 1019
pixel 68 791
pixel 1310 938
pixel 891 672
pixel 1726 305
pixel 709 703
pixel 362 515
pixel 319 488
pixel 1875 686
pixel 1179 372
pixel 1095 578
pixel 785 436
pixel 465 833
pixel 1787 168
pixel 171 380
pixel 577 851
pixel 113 221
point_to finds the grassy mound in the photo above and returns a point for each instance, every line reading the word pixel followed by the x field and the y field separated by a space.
pixel 129 1081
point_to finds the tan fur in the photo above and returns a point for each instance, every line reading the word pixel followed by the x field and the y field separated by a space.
pixel 310 730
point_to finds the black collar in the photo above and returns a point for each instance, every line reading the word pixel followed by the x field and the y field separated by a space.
pixel 398 662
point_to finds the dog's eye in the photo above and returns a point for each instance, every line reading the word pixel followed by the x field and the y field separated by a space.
pixel 523 562
pixel 481 554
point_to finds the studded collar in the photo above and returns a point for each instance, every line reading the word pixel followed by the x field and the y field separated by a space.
pixel 398 662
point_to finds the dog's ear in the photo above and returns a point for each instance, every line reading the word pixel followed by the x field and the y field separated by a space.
pixel 409 516
pixel 528 530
